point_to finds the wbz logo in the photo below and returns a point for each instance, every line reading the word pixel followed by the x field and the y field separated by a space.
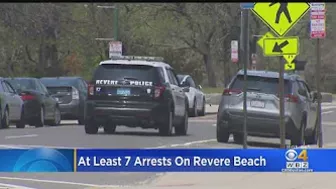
pixel 295 160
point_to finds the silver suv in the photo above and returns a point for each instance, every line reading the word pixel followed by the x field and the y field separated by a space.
pixel 263 108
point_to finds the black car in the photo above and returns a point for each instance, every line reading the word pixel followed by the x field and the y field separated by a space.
pixel 71 93
pixel 136 92
pixel 40 107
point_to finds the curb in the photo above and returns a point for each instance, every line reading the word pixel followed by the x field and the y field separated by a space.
pixel 210 113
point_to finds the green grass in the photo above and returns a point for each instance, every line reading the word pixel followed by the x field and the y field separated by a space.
pixel 209 90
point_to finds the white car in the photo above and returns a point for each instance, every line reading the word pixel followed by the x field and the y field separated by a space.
pixel 195 96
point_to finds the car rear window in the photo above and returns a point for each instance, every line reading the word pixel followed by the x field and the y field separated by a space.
pixel 53 82
pixel 127 72
pixel 261 84
pixel 26 84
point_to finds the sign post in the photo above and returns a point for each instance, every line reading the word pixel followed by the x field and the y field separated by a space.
pixel 234 51
pixel 115 49
pixel 318 31
pixel 280 18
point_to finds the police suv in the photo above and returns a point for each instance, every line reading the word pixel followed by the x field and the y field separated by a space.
pixel 136 92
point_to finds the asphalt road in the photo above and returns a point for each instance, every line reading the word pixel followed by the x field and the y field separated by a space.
pixel 201 135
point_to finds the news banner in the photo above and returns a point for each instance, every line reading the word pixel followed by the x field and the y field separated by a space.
pixel 167 160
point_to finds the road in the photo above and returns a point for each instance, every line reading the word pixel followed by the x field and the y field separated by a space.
pixel 202 132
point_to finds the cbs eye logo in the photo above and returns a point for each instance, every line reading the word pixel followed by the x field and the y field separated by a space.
pixel 292 155
pixel 42 160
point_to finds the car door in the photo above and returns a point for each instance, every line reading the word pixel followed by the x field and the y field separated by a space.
pixel 312 115
pixel 308 103
pixel 83 93
pixel 177 92
pixel 195 91
pixel 49 102
pixel 9 96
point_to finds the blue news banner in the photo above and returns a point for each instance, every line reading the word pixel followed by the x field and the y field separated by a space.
pixel 167 160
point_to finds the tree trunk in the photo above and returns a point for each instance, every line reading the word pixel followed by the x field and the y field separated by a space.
pixel 210 71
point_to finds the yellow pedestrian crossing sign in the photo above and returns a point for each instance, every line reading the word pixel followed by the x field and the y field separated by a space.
pixel 281 46
pixel 290 66
pixel 280 17
pixel 289 58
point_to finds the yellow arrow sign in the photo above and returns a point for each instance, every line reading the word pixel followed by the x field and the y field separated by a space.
pixel 288 58
pixel 281 46
pixel 290 66
pixel 280 17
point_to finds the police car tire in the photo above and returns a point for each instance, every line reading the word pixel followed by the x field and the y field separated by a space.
pixel 182 128
pixel 166 129
pixel 202 112
pixel 91 128
pixel 194 110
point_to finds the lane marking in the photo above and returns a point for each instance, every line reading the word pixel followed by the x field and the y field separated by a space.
pixel 183 144
pixel 58 182
pixel 7 186
pixel 21 136
pixel 11 147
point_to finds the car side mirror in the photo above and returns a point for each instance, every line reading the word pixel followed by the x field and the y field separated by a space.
pixel 302 92
pixel 186 89
pixel 314 95
pixel 200 87
pixel 184 84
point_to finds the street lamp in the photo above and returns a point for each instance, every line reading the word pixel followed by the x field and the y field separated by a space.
pixel 115 19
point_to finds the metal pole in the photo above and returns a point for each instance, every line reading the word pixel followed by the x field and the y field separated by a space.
pixel 318 78
pixel 282 105
pixel 115 23
pixel 245 29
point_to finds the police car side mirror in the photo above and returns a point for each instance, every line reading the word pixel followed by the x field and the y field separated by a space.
pixel 302 92
pixel 200 87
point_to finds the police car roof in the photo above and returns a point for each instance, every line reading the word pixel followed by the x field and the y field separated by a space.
pixel 136 62
pixel 268 74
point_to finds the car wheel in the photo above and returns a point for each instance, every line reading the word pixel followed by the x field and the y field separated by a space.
pixel 40 118
pixel 166 129
pixel 182 128
pixel 21 123
pixel 298 138
pixel 194 110
pixel 91 127
pixel 312 139
pixel 222 134
pixel 202 112
pixel 5 119
pixel 238 138
pixel 57 117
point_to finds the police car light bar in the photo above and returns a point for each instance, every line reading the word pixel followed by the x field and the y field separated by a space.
pixel 145 58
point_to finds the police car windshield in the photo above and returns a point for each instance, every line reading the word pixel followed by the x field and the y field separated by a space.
pixel 260 84
pixel 126 72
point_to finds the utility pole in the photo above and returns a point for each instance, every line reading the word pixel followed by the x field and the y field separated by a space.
pixel 246 60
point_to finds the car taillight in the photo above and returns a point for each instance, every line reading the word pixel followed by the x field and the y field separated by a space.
pixel 25 97
pixel 229 92
pixel 91 89
pixel 75 94
pixel 159 91
pixel 292 98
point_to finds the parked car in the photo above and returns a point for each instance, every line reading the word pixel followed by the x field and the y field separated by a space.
pixel 195 95
pixel 263 108
pixel 71 93
pixel 11 109
pixel 40 107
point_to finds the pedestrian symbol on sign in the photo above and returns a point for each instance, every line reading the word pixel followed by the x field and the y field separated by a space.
pixel 282 9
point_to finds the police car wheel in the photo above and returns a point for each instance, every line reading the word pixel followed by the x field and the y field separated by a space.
pixel 109 128
pixel 91 128
pixel 182 128
pixel 166 129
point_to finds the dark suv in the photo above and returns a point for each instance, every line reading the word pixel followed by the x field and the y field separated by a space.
pixel 136 92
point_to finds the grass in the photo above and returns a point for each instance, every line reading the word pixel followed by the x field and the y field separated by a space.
pixel 209 90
